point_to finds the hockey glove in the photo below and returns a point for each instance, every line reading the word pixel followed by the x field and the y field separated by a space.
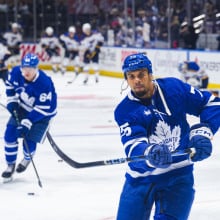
pixel 159 156
pixel 23 128
pixel 12 106
pixel 200 141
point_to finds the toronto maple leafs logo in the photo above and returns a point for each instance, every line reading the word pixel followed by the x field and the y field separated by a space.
pixel 26 99
pixel 164 135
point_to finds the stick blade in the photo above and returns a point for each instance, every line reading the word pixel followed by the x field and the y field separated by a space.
pixel 6 180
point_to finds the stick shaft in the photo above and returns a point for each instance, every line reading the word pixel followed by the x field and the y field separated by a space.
pixel 115 161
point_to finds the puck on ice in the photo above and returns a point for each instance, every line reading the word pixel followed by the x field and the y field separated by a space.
pixel 60 160
pixel 31 193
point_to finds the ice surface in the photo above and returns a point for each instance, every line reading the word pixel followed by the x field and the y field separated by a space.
pixel 85 130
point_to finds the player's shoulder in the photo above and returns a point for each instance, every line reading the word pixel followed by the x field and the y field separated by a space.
pixel 16 71
pixel 170 82
pixel 167 80
pixel 16 68
pixel 44 76
pixel 127 106
pixel 172 86
pixel 43 80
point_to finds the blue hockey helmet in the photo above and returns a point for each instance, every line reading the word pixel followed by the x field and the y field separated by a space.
pixel 135 62
pixel 30 60
pixel 192 66
pixel 182 67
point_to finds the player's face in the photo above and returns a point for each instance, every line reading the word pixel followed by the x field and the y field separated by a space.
pixel 140 82
pixel 71 34
pixel 28 73
pixel 87 32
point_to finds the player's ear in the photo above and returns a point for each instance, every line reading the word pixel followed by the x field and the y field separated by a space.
pixel 150 76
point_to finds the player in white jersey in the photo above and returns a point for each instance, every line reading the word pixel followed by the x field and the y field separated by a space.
pixel 13 39
pixel 91 45
pixel 192 73
pixel 4 55
pixel 50 43
pixel 70 43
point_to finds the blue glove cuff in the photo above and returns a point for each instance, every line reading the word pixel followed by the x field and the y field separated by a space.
pixel 147 151
pixel 201 129
pixel 27 123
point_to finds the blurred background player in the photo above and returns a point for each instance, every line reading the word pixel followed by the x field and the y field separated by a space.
pixel 50 43
pixel 12 40
pixel 191 73
pixel 4 55
pixel 70 43
pixel 91 45
pixel 31 99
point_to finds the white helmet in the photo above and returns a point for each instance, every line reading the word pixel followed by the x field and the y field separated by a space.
pixel 72 29
pixel 15 25
pixel 49 30
pixel 86 27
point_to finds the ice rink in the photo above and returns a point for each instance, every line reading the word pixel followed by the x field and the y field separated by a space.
pixel 85 130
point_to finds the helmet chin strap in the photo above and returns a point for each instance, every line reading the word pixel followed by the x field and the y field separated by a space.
pixel 123 88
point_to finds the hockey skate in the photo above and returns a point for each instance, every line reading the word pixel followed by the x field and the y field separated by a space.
pixel 22 166
pixel 7 174
pixel 85 81
pixel 97 77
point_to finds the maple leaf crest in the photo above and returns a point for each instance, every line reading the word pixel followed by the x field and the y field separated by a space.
pixel 164 135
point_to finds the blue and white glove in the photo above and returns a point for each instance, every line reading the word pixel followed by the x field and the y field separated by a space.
pixel 12 106
pixel 200 141
pixel 159 156
pixel 23 128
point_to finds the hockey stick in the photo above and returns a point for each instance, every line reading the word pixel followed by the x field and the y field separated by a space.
pixel 74 78
pixel 28 150
pixel 79 165
pixel 26 146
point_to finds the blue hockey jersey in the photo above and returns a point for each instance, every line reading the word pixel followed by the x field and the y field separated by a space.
pixel 163 119
pixel 37 99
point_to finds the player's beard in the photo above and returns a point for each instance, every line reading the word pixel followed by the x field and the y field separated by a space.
pixel 140 94
pixel 143 93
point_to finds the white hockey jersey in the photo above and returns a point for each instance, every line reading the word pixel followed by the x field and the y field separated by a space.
pixel 49 41
pixel 69 43
pixel 12 39
pixel 90 42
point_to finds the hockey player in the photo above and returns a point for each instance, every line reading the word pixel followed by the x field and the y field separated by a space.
pixel 50 43
pixel 152 121
pixel 91 45
pixel 12 39
pixel 4 55
pixel 31 96
pixel 193 74
pixel 70 43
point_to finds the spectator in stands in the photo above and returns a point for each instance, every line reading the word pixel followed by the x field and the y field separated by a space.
pixel 139 38
pixel 175 26
pixel 218 39
pixel 188 37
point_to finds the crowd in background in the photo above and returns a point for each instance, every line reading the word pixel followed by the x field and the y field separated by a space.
pixel 150 23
